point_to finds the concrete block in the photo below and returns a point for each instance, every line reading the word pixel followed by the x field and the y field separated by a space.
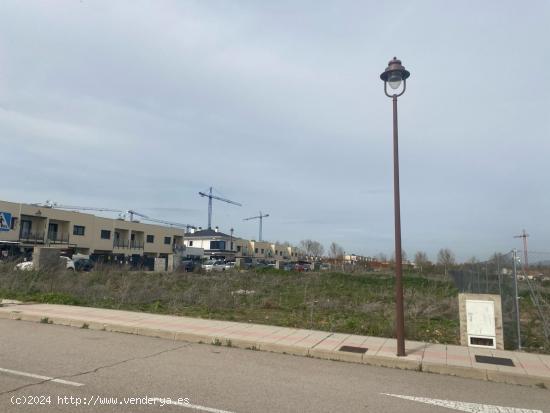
pixel 7 314
pixel 459 371
pixel 37 318
pixel 152 332
pixel 192 337
pixel 283 348
pixel 403 363
pixel 172 262
pixel 160 265
pixel 242 343
pixel 46 258
pixel 121 328
pixel 513 378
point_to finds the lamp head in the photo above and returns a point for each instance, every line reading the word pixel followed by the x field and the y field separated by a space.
pixel 395 73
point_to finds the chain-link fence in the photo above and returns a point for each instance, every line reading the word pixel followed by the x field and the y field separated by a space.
pixel 496 276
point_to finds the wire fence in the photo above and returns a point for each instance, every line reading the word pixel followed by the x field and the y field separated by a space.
pixel 498 275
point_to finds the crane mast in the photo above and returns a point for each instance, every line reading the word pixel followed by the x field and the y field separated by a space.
pixel 261 218
pixel 210 197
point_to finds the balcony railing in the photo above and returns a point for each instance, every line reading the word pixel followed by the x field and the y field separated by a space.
pixel 31 237
pixel 121 243
pixel 128 244
pixel 58 238
pixel 136 245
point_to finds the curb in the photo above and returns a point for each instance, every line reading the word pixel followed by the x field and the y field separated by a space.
pixel 215 338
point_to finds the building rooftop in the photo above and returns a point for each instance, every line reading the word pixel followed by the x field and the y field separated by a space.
pixel 209 232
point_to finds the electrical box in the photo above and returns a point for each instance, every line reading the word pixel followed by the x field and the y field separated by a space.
pixel 481 321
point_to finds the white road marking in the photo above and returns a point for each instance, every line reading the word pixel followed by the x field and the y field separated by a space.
pixel 463 406
pixel 37 376
pixel 191 406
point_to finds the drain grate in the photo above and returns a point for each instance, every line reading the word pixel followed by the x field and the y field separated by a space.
pixel 352 349
pixel 500 361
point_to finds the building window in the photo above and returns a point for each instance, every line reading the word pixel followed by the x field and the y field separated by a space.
pixel 238 248
pixel 262 250
pixel 78 230
pixel 217 245
pixel 105 234
pixel 167 240
pixel 256 250
pixel 190 243
pixel 150 239
pixel 13 222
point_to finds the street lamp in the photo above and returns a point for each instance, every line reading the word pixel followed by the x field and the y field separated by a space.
pixel 394 75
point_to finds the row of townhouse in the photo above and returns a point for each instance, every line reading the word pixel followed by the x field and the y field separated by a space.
pixel 24 226
pixel 217 244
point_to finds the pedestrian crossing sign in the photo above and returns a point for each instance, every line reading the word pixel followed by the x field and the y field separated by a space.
pixel 5 221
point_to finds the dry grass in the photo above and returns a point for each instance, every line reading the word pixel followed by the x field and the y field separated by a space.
pixel 359 303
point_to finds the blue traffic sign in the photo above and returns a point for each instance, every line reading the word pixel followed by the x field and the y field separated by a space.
pixel 5 221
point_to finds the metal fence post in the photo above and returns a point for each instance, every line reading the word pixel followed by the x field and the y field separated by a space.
pixel 517 296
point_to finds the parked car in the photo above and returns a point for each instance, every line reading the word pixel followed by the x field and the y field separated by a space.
pixel 261 265
pixel 28 265
pixel 247 263
pixel 288 266
pixel 218 266
pixel 83 264
pixel 302 266
pixel 324 267
pixel 188 266
pixel 208 265
pixel 24 266
pixel 230 265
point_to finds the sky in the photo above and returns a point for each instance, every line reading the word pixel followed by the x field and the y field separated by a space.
pixel 279 106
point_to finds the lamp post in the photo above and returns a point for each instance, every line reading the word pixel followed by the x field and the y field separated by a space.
pixel 394 75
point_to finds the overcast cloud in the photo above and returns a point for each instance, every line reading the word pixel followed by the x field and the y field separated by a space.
pixel 278 105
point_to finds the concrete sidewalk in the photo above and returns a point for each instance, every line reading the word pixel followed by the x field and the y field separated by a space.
pixel 528 369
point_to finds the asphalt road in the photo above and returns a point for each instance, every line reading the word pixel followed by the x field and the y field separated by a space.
pixel 97 366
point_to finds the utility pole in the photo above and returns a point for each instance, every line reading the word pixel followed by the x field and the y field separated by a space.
pixel 514 255
pixel 524 235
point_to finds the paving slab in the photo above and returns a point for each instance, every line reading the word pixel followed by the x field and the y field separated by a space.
pixel 289 345
pixel 435 353
pixel 329 346
pixel 529 369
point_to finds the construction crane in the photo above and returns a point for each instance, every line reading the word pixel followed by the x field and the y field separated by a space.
pixel 261 218
pixel 131 212
pixel 51 204
pixel 524 235
pixel 210 198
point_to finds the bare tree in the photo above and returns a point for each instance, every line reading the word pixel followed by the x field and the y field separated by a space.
pixel 336 251
pixel 446 258
pixel 382 257
pixel 421 260
pixel 403 256
pixel 312 248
